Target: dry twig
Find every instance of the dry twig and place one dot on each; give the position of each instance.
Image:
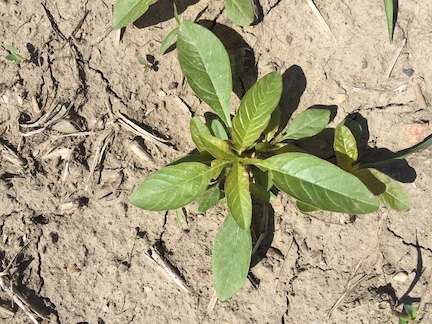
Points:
(154, 255)
(30, 310)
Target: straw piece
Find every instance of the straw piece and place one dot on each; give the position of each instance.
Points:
(320, 18)
(395, 58)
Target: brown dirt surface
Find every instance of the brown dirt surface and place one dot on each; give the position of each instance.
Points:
(82, 264)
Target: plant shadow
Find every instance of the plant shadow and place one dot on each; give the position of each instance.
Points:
(262, 229)
(294, 84)
(399, 170)
(405, 299)
(161, 11)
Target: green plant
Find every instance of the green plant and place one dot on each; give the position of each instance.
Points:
(249, 155)
(14, 55)
(390, 14)
(409, 315)
(240, 12)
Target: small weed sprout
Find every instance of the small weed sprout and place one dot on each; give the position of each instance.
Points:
(15, 56)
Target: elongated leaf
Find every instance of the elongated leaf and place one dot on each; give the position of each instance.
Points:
(127, 11)
(217, 128)
(240, 12)
(172, 187)
(388, 5)
(305, 208)
(261, 193)
(273, 125)
(218, 148)
(355, 128)
(238, 196)
(231, 258)
(209, 198)
(319, 183)
(402, 155)
(388, 191)
(345, 147)
(217, 167)
(168, 40)
(307, 124)
(255, 110)
(198, 129)
(205, 63)
(262, 178)
(203, 157)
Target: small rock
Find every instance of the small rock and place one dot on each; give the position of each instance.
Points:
(400, 277)
(123, 266)
(341, 97)
(121, 208)
(408, 72)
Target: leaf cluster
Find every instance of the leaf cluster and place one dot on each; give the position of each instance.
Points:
(240, 12)
(249, 155)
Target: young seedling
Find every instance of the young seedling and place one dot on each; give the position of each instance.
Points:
(408, 315)
(240, 12)
(15, 56)
(249, 155)
(150, 64)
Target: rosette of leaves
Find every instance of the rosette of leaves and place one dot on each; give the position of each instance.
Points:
(249, 155)
(240, 12)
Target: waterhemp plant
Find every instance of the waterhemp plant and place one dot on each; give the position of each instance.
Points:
(240, 12)
(248, 155)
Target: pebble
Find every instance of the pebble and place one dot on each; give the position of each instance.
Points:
(121, 208)
(123, 266)
(400, 277)
(408, 72)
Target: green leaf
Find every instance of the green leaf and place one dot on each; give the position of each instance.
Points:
(273, 125)
(198, 129)
(255, 110)
(388, 191)
(240, 12)
(307, 124)
(141, 60)
(172, 187)
(402, 155)
(231, 258)
(127, 11)
(262, 178)
(217, 167)
(319, 183)
(217, 128)
(345, 147)
(262, 193)
(206, 65)
(411, 312)
(220, 149)
(305, 208)
(388, 5)
(354, 127)
(168, 40)
(203, 157)
(209, 198)
(238, 197)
